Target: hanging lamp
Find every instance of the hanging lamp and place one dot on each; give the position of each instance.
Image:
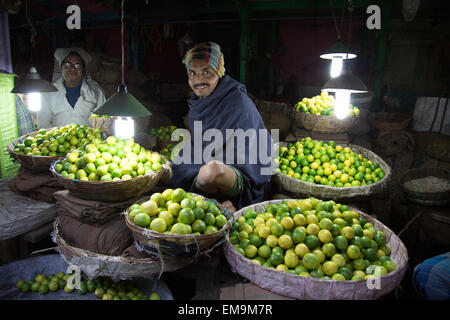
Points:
(32, 85)
(343, 86)
(338, 52)
(123, 105)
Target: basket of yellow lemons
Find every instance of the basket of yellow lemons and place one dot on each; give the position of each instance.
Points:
(37, 150)
(330, 171)
(111, 170)
(176, 223)
(315, 250)
(316, 114)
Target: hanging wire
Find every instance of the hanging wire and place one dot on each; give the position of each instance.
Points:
(33, 31)
(123, 51)
(350, 30)
(334, 19)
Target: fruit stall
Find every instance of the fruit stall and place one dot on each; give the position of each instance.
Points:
(360, 183)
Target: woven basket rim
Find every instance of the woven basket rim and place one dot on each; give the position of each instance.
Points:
(146, 176)
(323, 116)
(386, 167)
(410, 174)
(86, 253)
(172, 236)
(401, 267)
(29, 156)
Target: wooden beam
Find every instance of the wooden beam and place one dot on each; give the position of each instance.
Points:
(386, 13)
(242, 6)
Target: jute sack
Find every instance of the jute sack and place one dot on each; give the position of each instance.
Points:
(128, 265)
(308, 288)
(276, 115)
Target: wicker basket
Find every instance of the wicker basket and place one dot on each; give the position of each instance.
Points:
(111, 191)
(35, 163)
(173, 245)
(107, 124)
(323, 124)
(426, 198)
(308, 288)
(389, 121)
(118, 267)
(303, 188)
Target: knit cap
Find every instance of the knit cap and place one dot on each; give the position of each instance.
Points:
(209, 52)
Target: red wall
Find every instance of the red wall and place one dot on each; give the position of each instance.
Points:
(300, 44)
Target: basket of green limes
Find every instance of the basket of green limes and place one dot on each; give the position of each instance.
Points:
(176, 223)
(110, 170)
(330, 171)
(313, 249)
(37, 150)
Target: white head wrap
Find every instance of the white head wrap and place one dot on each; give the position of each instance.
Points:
(62, 53)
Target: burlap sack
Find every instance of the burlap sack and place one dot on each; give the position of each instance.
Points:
(129, 265)
(276, 115)
(111, 238)
(89, 211)
(391, 143)
(308, 288)
(362, 140)
(36, 185)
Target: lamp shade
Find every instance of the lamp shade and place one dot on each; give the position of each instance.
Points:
(338, 50)
(345, 81)
(122, 104)
(33, 83)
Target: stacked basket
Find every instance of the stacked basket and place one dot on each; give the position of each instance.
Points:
(300, 188)
(111, 191)
(96, 264)
(323, 124)
(32, 162)
(308, 288)
(170, 245)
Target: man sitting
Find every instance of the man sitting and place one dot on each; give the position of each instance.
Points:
(221, 103)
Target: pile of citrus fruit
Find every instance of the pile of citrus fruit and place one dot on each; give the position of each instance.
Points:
(327, 164)
(109, 160)
(179, 212)
(163, 132)
(167, 151)
(103, 288)
(58, 141)
(94, 115)
(322, 104)
(313, 238)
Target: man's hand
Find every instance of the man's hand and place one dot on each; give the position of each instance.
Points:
(226, 205)
(215, 176)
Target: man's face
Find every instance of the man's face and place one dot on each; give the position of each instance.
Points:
(72, 70)
(202, 78)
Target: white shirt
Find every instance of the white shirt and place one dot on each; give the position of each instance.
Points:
(56, 111)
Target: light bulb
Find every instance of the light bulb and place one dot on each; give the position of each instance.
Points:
(124, 127)
(342, 104)
(34, 101)
(336, 66)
